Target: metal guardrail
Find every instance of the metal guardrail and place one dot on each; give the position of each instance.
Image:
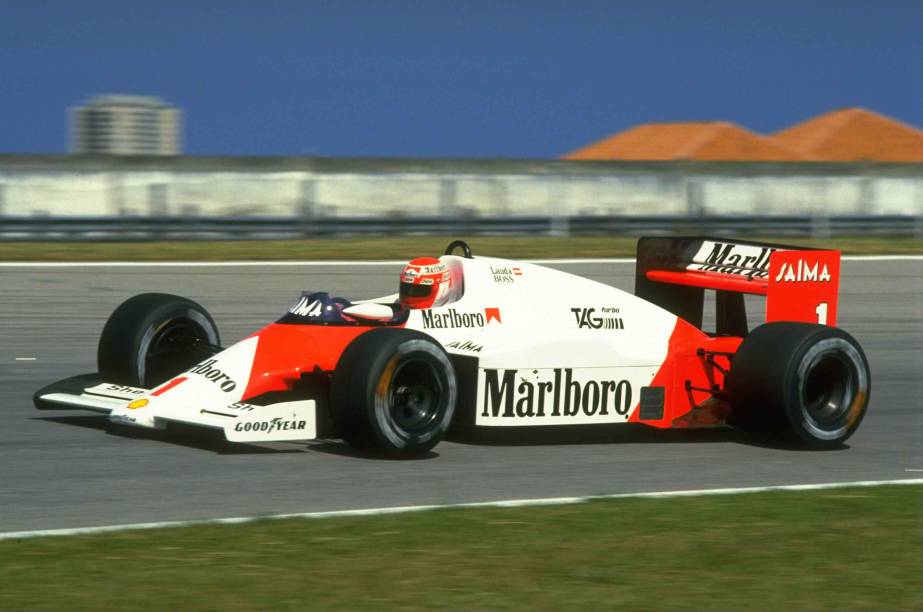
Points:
(14, 228)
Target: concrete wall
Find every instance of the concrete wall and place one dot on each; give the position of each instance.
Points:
(88, 185)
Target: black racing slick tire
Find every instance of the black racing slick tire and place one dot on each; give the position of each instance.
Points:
(812, 380)
(152, 337)
(394, 391)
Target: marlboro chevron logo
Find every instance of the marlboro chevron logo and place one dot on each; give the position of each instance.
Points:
(452, 319)
(731, 258)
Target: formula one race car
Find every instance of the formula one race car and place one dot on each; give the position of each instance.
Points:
(478, 342)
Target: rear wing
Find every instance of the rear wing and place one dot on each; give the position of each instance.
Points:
(800, 284)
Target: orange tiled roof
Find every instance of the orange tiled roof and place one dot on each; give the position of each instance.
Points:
(854, 134)
(703, 141)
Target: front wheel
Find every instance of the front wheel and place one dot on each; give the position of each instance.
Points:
(151, 337)
(811, 379)
(394, 390)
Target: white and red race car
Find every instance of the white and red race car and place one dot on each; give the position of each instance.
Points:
(514, 344)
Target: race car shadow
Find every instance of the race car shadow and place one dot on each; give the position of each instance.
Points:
(343, 449)
(781, 441)
(589, 434)
(623, 434)
(213, 440)
(190, 437)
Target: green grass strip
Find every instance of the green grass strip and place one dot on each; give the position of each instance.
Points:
(856, 548)
(404, 247)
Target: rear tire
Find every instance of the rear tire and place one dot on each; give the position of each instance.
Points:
(394, 390)
(811, 380)
(152, 337)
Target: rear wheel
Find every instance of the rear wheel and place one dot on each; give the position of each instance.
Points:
(394, 390)
(152, 337)
(811, 380)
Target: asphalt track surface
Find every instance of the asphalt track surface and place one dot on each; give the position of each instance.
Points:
(71, 469)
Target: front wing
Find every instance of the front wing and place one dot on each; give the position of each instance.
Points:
(240, 421)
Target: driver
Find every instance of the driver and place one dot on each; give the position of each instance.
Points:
(425, 283)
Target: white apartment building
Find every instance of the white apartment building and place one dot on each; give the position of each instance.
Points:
(125, 125)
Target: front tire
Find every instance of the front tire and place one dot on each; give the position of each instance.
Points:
(394, 390)
(813, 380)
(151, 337)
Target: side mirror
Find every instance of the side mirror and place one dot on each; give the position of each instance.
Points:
(369, 312)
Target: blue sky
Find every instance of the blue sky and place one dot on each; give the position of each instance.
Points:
(438, 78)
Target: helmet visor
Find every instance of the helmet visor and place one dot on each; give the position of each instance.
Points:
(415, 291)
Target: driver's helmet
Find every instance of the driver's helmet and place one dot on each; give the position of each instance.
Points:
(425, 283)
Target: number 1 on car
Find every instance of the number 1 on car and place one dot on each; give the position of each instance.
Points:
(821, 312)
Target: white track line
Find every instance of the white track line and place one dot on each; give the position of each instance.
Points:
(331, 263)
(253, 264)
(513, 503)
(187, 264)
(882, 257)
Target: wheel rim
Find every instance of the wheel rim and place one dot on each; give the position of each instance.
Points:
(416, 396)
(829, 386)
(175, 347)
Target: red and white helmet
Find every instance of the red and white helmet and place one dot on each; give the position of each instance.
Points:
(425, 283)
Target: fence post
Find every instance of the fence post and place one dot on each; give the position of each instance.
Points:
(448, 197)
(307, 205)
(115, 194)
(695, 198)
(499, 197)
(157, 207)
(559, 226)
(157, 199)
(867, 192)
(821, 226)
